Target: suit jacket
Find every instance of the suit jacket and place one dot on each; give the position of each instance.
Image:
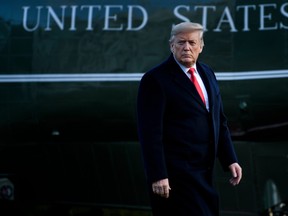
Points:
(174, 124)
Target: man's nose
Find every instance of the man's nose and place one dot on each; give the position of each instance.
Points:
(186, 45)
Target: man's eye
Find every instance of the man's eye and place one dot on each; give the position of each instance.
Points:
(181, 42)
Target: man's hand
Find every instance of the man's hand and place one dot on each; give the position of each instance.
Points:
(161, 188)
(236, 172)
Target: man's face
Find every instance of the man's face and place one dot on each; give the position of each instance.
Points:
(186, 47)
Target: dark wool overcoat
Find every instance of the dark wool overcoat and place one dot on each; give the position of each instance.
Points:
(180, 139)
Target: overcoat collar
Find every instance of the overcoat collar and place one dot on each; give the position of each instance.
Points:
(182, 80)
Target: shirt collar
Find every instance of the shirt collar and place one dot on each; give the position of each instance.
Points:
(185, 69)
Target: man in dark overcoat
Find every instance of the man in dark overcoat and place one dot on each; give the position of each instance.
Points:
(182, 129)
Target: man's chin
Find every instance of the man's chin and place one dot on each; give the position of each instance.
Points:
(188, 62)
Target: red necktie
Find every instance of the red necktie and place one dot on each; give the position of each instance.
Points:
(195, 82)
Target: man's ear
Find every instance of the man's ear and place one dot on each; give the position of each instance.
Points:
(171, 47)
(201, 49)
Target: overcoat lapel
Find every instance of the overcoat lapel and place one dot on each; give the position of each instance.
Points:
(183, 81)
(208, 82)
